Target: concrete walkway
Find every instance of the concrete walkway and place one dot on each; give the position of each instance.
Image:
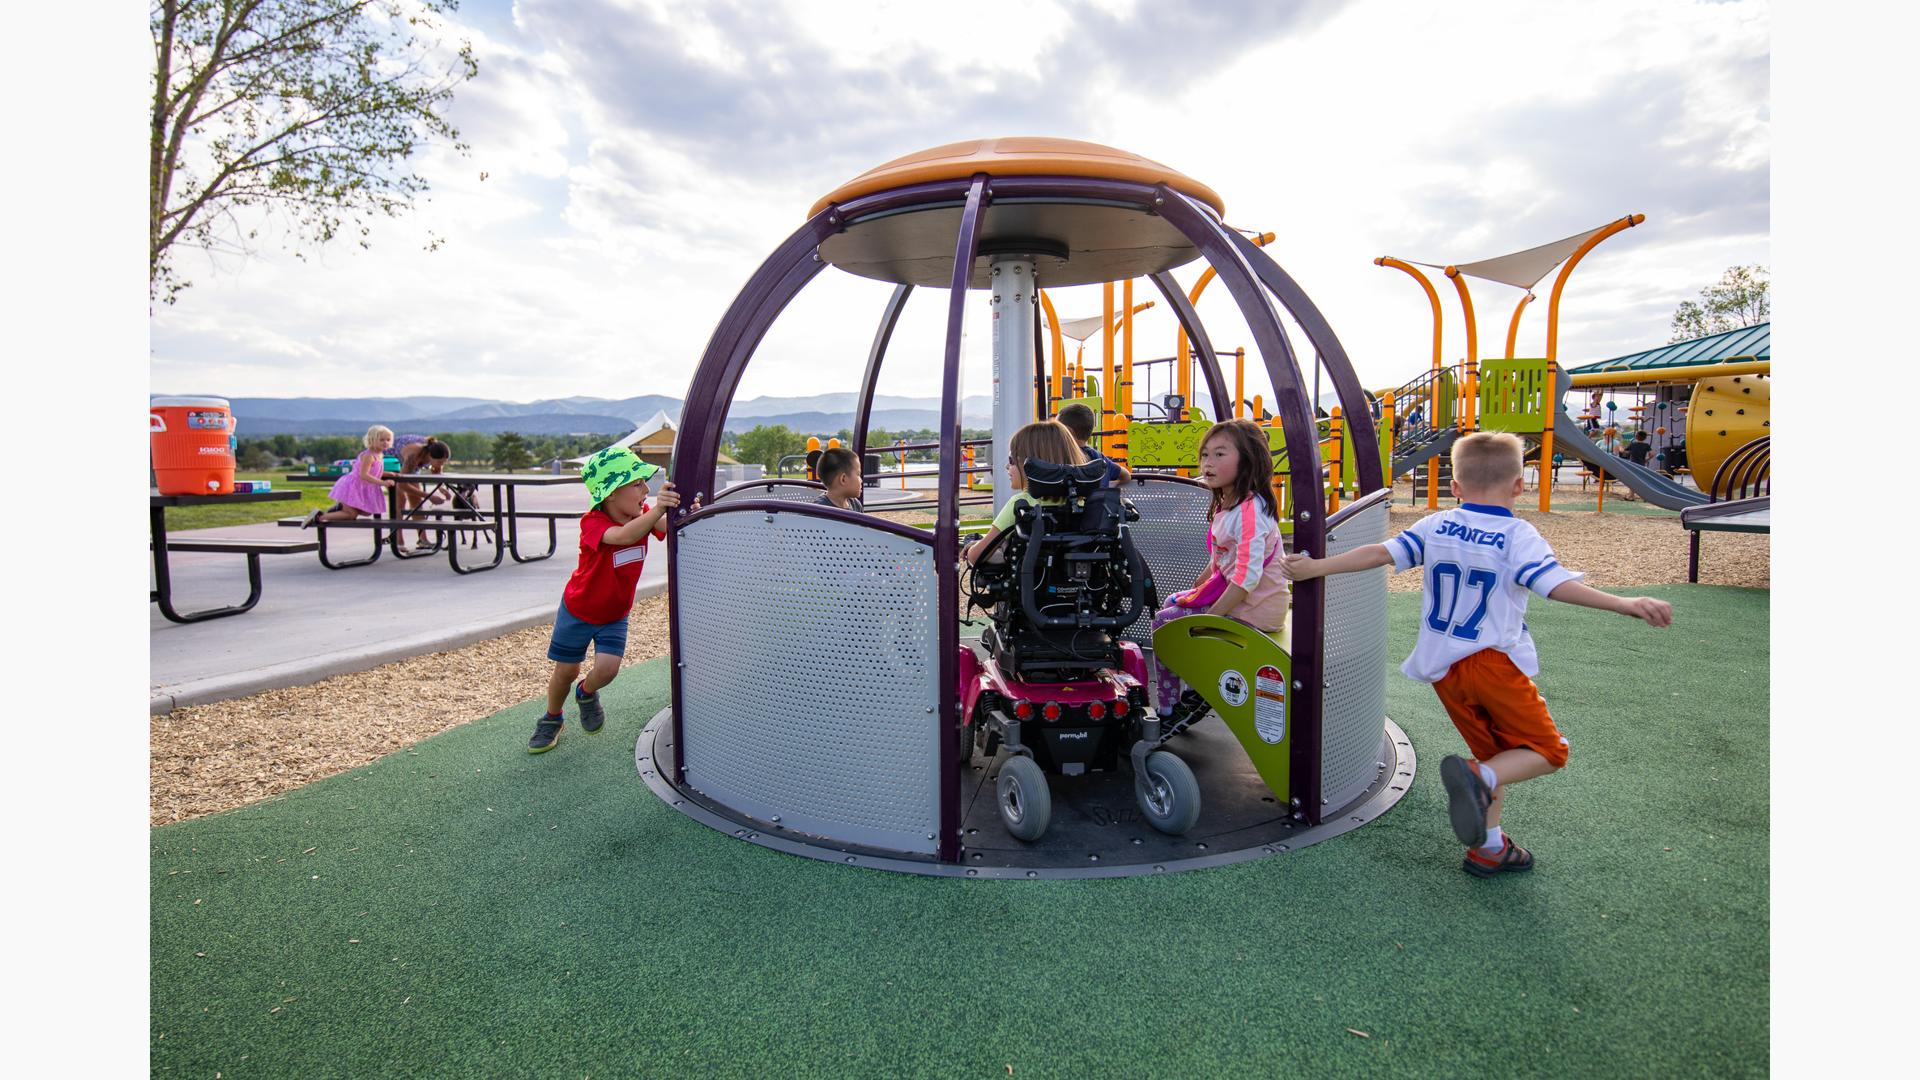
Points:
(312, 622)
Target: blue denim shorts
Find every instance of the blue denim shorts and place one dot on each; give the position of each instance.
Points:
(570, 637)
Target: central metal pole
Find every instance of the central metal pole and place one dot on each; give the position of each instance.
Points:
(1013, 286)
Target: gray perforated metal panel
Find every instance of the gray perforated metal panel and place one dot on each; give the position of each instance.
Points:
(1353, 707)
(771, 489)
(809, 690)
(1171, 536)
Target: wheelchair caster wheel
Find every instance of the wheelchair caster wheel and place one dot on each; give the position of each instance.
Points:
(1026, 806)
(1168, 794)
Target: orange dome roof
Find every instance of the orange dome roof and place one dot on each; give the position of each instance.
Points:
(1019, 156)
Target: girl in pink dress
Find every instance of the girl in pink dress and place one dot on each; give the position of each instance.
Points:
(362, 490)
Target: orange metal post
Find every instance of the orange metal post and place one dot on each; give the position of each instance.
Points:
(1239, 382)
(1123, 390)
(1386, 418)
(1469, 393)
(1553, 349)
(1513, 328)
(1181, 350)
(1106, 355)
(1334, 430)
(1433, 403)
(1059, 369)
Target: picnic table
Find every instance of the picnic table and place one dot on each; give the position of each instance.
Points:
(502, 519)
(162, 593)
(1753, 515)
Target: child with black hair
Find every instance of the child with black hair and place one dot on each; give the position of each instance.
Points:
(1243, 541)
(1079, 420)
(839, 470)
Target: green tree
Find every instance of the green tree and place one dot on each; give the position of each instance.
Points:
(255, 456)
(466, 445)
(295, 111)
(766, 445)
(1739, 298)
(328, 448)
(285, 446)
(510, 452)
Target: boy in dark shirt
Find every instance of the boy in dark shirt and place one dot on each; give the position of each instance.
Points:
(599, 595)
(1080, 420)
(1637, 450)
(839, 470)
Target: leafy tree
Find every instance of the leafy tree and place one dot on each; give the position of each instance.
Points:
(510, 451)
(255, 456)
(1738, 299)
(328, 448)
(466, 445)
(285, 446)
(766, 445)
(304, 110)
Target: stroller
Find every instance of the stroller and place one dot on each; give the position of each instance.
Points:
(1052, 680)
(461, 506)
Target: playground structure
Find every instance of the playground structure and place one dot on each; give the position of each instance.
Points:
(1723, 417)
(817, 687)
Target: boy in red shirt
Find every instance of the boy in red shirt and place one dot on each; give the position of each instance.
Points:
(599, 595)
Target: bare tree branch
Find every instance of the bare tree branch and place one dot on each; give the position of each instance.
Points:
(303, 110)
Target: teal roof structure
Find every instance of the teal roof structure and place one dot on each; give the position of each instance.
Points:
(1746, 343)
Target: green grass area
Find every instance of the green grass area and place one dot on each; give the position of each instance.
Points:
(462, 908)
(313, 496)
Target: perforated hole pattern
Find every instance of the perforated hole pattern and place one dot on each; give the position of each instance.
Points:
(771, 489)
(1171, 536)
(1354, 665)
(810, 675)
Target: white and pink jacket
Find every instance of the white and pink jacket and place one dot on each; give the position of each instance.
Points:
(1244, 543)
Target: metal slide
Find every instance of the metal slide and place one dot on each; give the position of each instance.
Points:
(1650, 484)
(1412, 454)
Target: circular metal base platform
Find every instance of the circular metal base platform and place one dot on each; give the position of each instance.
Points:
(1097, 829)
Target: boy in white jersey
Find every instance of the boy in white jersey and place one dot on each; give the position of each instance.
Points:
(1480, 563)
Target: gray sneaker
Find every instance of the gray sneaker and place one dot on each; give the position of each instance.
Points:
(592, 716)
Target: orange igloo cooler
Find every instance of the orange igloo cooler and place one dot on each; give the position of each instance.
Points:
(192, 445)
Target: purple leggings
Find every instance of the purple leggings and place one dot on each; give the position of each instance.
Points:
(1167, 685)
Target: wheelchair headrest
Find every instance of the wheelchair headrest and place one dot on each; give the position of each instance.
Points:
(1052, 480)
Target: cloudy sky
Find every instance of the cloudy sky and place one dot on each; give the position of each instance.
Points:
(640, 157)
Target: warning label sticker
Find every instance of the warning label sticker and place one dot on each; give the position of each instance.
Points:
(1233, 688)
(1270, 704)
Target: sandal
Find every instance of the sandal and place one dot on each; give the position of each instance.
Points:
(1468, 797)
(1513, 859)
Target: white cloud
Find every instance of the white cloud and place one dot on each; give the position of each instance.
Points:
(643, 158)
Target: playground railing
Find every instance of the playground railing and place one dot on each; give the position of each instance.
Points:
(790, 489)
(1427, 403)
(860, 594)
(1169, 536)
(1354, 656)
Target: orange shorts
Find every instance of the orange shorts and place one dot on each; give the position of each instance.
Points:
(1496, 708)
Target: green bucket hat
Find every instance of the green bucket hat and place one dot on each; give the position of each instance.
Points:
(609, 470)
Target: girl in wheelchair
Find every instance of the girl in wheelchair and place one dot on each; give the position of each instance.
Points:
(1043, 440)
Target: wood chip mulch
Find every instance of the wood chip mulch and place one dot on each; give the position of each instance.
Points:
(207, 758)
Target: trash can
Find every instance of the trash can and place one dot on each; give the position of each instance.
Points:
(192, 445)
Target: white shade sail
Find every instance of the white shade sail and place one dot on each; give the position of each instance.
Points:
(1522, 269)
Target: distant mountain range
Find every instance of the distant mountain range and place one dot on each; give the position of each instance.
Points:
(821, 414)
